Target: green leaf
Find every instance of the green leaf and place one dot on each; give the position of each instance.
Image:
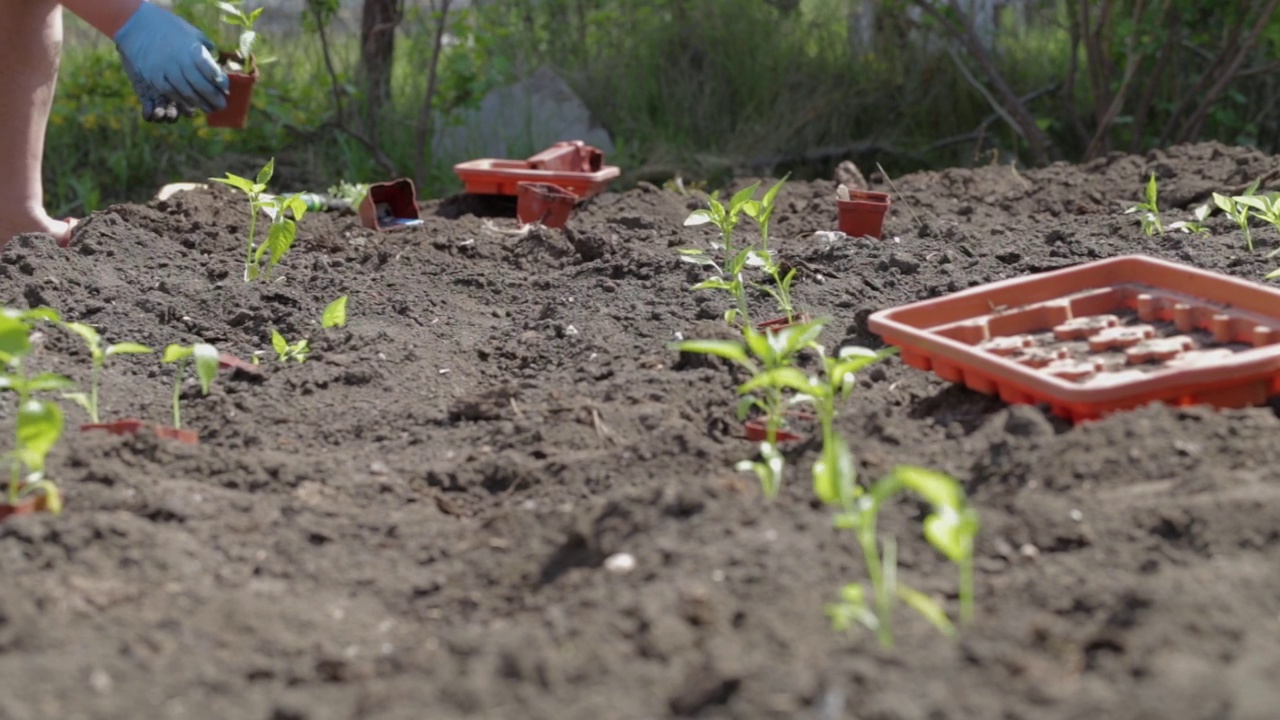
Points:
(81, 399)
(229, 9)
(752, 209)
(727, 349)
(1252, 201)
(782, 377)
(741, 197)
(38, 428)
(772, 194)
(243, 184)
(173, 353)
(88, 334)
(702, 260)
(207, 364)
(279, 239)
(1224, 203)
(926, 606)
(15, 336)
(698, 217)
(128, 348)
(47, 382)
(1201, 213)
(937, 488)
(713, 284)
(297, 206)
(264, 175)
(335, 313)
(1151, 191)
(278, 343)
(46, 314)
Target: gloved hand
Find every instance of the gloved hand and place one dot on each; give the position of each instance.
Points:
(166, 57)
(156, 107)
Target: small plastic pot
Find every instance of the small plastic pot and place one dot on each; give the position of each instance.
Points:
(227, 361)
(550, 205)
(132, 426)
(776, 324)
(757, 430)
(236, 113)
(862, 215)
(28, 506)
(390, 206)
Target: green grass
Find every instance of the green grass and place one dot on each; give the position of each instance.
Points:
(700, 95)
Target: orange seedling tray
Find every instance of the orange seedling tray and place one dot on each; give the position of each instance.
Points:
(571, 165)
(1100, 337)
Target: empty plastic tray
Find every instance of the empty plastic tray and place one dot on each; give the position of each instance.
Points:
(1100, 337)
(571, 165)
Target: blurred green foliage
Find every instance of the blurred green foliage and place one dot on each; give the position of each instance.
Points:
(698, 88)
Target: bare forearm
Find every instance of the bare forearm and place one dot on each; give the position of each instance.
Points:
(106, 16)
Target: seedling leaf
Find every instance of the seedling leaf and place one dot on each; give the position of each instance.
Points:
(206, 357)
(128, 348)
(38, 427)
(335, 313)
(926, 606)
(279, 344)
(726, 349)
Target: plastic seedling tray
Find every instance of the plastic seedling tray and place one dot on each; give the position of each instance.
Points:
(573, 166)
(1100, 337)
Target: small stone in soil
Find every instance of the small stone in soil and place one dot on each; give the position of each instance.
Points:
(620, 563)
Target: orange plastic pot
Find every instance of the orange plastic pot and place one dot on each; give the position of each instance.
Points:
(544, 203)
(571, 165)
(236, 113)
(132, 426)
(29, 506)
(1100, 338)
(862, 215)
(390, 205)
(776, 324)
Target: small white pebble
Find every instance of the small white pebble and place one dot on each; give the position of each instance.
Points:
(387, 648)
(377, 467)
(100, 681)
(717, 576)
(770, 534)
(1077, 516)
(620, 563)
(444, 371)
(1029, 551)
(571, 331)
(529, 505)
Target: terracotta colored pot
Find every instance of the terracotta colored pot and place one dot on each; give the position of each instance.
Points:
(236, 113)
(390, 205)
(862, 215)
(758, 430)
(544, 203)
(28, 506)
(132, 426)
(227, 361)
(777, 324)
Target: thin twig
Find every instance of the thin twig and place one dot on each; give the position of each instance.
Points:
(899, 194)
(340, 123)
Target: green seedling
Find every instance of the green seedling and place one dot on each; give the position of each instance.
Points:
(206, 362)
(98, 355)
(729, 272)
(350, 192)
(234, 14)
(285, 351)
(769, 357)
(761, 211)
(1266, 207)
(950, 528)
(283, 231)
(1237, 210)
(1150, 209)
(39, 422)
(335, 314)
(1196, 224)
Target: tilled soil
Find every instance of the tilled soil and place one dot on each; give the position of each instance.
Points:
(414, 523)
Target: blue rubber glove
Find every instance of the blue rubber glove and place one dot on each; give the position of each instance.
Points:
(169, 54)
(156, 107)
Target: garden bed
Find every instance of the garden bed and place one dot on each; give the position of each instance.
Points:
(415, 522)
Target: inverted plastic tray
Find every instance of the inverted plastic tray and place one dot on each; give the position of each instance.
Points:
(1100, 337)
(503, 177)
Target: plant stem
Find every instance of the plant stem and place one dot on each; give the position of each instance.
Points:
(93, 392)
(253, 231)
(867, 538)
(966, 590)
(15, 467)
(177, 392)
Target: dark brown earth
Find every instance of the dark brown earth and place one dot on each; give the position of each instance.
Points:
(413, 523)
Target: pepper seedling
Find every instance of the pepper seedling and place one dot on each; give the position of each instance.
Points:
(283, 231)
(1150, 209)
(1237, 210)
(285, 351)
(233, 14)
(769, 357)
(206, 362)
(761, 211)
(729, 272)
(950, 528)
(1196, 224)
(39, 422)
(98, 356)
